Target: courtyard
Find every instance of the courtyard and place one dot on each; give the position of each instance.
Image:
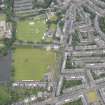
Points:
(77, 102)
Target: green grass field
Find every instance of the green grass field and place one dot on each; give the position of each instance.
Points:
(31, 64)
(2, 17)
(92, 96)
(31, 29)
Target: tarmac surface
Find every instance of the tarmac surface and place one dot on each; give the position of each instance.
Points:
(5, 67)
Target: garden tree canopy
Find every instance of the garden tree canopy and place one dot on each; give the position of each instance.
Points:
(10, 95)
(75, 38)
(102, 23)
(103, 0)
(8, 8)
(5, 97)
(41, 3)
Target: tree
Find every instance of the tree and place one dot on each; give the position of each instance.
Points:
(5, 97)
(8, 9)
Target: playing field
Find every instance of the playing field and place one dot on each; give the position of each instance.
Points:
(31, 64)
(31, 29)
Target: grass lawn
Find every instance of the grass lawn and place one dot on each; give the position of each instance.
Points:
(71, 83)
(31, 64)
(92, 96)
(31, 29)
(102, 23)
(53, 18)
(2, 17)
(53, 27)
(1, 44)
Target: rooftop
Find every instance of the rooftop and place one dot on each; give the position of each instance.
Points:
(5, 30)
